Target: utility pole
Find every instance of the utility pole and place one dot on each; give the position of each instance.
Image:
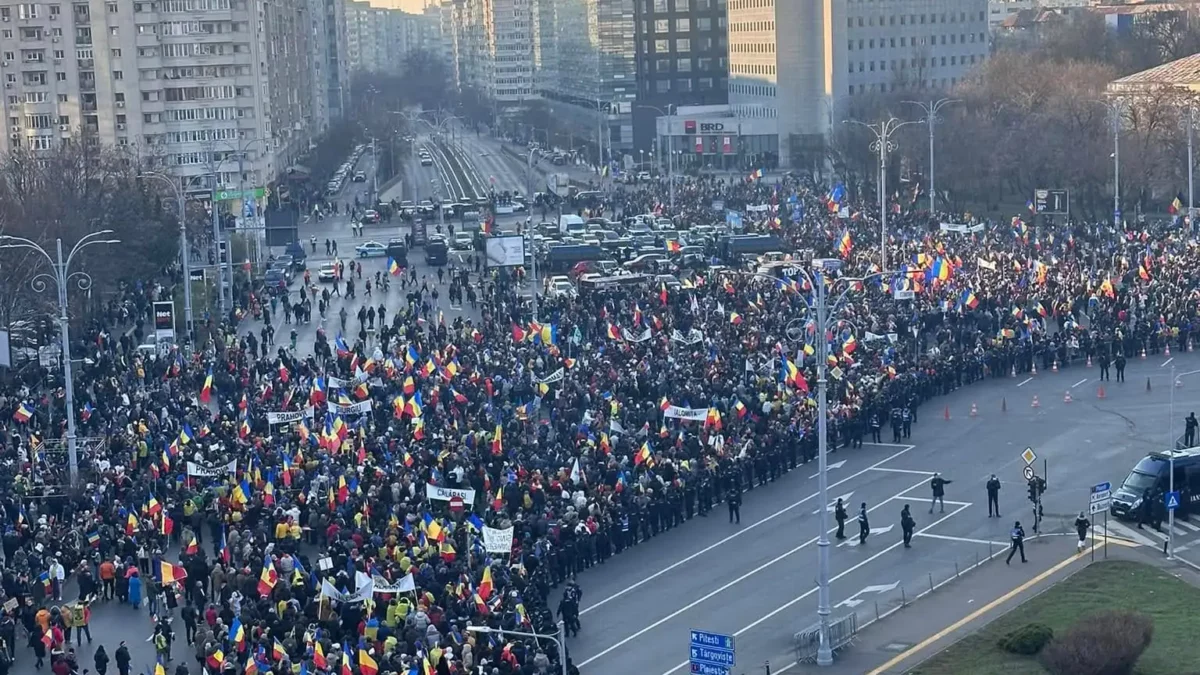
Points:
(931, 110)
(884, 144)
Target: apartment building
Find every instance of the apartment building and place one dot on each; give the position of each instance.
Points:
(333, 82)
(200, 87)
(373, 38)
(585, 59)
(798, 65)
(682, 59)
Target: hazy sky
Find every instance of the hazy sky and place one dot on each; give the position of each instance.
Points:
(407, 5)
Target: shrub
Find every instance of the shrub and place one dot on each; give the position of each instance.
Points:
(1026, 640)
(1108, 643)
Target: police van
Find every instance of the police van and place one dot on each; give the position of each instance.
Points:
(1153, 473)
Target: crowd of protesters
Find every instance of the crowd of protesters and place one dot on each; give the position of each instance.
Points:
(351, 532)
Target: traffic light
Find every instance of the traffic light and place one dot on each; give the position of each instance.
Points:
(1037, 486)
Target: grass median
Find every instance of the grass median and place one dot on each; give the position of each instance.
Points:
(1116, 584)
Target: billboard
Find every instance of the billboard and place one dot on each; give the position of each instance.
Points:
(505, 251)
(164, 325)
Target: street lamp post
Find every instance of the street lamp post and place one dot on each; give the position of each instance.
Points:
(670, 147)
(1190, 105)
(884, 144)
(931, 110)
(819, 278)
(184, 249)
(1116, 107)
(529, 228)
(559, 638)
(60, 275)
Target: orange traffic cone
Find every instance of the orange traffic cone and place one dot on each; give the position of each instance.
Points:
(1054, 368)
(1035, 403)
(1089, 361)
(1004, 404)
(1143, 352)
(1147, 385)
(974, 411)
(1014, 370)
(1100, 392)
(947, 413)
(1167, 350)
(1033, 369)
(1067, 397)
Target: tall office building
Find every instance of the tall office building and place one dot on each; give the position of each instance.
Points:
(492, 46)
(586, 70)
(682, 59)
(337, 83)
(795, 66)
(202, 87)
(374, 38)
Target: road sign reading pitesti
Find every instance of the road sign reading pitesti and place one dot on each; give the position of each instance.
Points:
(1029, 455)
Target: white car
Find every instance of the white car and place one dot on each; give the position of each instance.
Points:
(560, 286)
(371, 249)
(328, 272)
(463, 241)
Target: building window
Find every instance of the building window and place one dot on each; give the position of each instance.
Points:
(662, 25)
(683, 45)
(683, 65)
(683, 25)
(662, 46)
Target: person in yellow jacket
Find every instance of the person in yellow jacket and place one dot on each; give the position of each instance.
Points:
(281, 530)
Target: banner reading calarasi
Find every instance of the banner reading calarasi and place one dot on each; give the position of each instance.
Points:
(445, 494)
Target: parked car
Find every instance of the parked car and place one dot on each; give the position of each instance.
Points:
(370, 217)
(371, 249)
(360, 177)
(328, 272)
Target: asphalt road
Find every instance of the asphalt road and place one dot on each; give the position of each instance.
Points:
(757, 581)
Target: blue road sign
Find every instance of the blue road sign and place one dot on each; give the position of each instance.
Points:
(1102, 487)
(722, 657)
(711, 653)
(1172, 500)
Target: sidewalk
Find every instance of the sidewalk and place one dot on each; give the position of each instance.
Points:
(909, 635)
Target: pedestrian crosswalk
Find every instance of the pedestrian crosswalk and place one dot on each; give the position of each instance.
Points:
(1186, 533)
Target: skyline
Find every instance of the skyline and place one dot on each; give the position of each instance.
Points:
(414, 6)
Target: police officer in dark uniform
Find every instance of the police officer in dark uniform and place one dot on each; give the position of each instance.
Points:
(1104, 362)
(993, 495)
(907, 525)
(876, 426)
(864, 526)
(897, 424)
(1120, 364)
(1146, 509)
(568, 608)
(1018, 542)
(735, 504)
(839, 514)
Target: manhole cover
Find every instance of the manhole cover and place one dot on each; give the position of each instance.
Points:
(897, 646)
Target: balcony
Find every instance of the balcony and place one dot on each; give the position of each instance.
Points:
(87, 107)
(87, 85)
(86, 64)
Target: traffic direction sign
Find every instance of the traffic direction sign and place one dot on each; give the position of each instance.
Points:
(1101, 498)
(711, 653)
(1172, 500)
(1027, 472)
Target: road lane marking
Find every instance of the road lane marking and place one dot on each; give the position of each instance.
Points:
(1164, 363)
(920, 473)
(924, 644)
(1024, 382)
(965, 540)
(747, 575)
(1120, 531)
(1188, 525)
(739, 533)
(1083, 381)
(813, 590)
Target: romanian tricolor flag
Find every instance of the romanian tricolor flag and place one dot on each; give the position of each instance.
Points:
(845, 244)
(1176, 204)
(318, 656)
(24, 412)
(237, 635)
(94, 539)
(642, 456)
(268, 578)
(366, 664)
(735, 318)
(519, 334)
(968, 299)
(168, 573)
(394, 268)
(206, 390)
(673, 246)
(485, 584)
(216, 659)
(613, 333)
(498, 441)
(193, 547)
